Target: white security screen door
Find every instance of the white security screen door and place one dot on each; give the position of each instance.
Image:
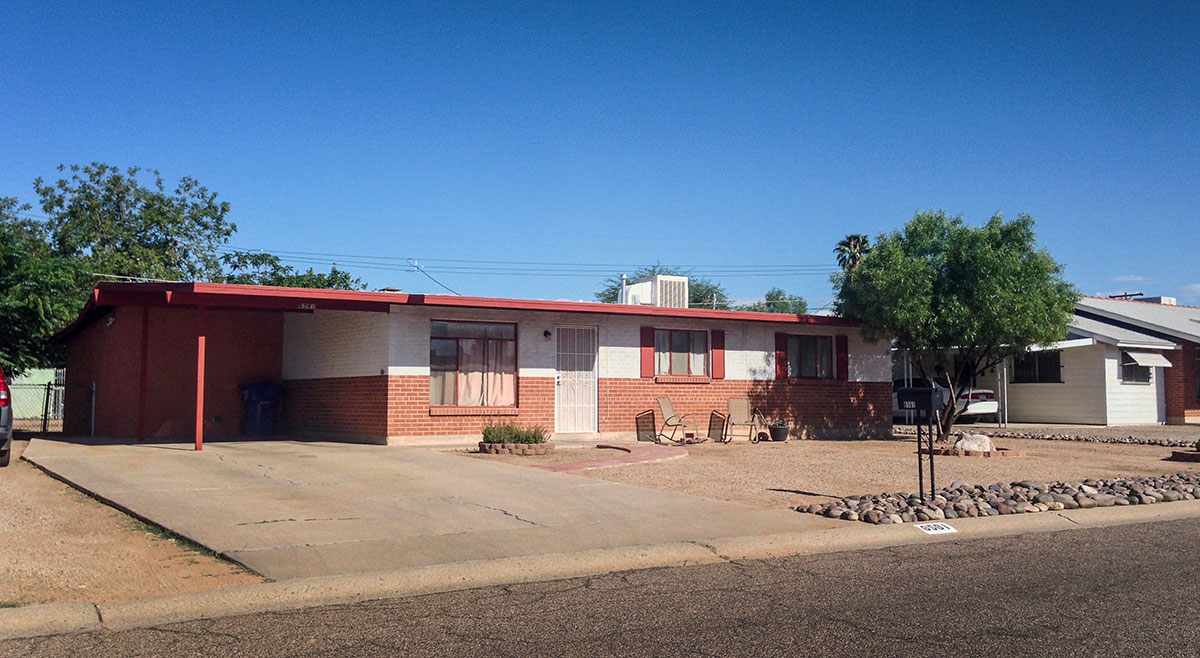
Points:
(575, 380)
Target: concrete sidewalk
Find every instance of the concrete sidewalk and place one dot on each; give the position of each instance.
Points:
(300, 510)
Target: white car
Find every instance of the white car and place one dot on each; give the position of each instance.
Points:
(976, 402)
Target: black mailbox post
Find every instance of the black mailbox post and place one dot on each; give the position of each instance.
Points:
(927, 404)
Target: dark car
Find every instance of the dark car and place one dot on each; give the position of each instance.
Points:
(6, 420)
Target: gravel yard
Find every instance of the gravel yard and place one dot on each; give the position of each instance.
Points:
(58, 545)
(804, 472)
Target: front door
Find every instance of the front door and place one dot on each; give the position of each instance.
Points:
(575, 380)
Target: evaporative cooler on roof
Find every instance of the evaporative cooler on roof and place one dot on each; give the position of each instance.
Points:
(663, 290)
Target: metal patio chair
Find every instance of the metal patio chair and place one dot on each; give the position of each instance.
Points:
(687, 423)
(741, 414)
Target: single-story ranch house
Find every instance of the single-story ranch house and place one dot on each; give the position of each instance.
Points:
(1123, 362)
(169, 360)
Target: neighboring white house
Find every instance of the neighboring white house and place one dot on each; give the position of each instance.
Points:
(1100, 375)
(1114, 368)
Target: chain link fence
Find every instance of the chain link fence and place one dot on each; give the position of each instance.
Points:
(41, 408)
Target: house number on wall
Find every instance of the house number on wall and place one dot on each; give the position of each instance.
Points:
(308, 306)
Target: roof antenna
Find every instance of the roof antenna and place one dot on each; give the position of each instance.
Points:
(1126, 295)
(418, 268)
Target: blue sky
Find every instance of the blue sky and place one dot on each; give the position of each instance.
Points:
(735, 138)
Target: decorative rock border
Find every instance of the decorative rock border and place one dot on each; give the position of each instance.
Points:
(1086, 438)
(515, 448)
(1025, 497)
(994, 454)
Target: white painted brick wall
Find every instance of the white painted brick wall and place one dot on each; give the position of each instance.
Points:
(1131, 402)
(1078, 398)
(335, 344)
(749, 348)
(869, 362)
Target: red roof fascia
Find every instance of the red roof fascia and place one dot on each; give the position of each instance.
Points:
(624, 309)
(225, 295)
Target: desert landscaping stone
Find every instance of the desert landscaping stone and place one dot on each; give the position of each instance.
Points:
(1081, 435)
(962, 499)
(977, 442)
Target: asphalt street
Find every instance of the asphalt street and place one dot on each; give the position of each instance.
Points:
(1131, 589)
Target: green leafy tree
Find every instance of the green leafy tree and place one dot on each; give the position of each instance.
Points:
(39, 291)
(263, 269)
(702, 292)
(778, 301)
(101, 220)
(851, 250)
(959, 298)
(114, 222)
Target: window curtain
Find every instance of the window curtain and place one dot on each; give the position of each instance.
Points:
(500, 380)
(662, 352)
(487, 373)
(699, 352)
(471, 366)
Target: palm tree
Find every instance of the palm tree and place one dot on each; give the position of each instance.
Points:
(851, 250)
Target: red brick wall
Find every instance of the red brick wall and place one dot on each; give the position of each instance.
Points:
(1180, 385)
(339, 407)
(814, 408)
(409, 412)
(242, 347)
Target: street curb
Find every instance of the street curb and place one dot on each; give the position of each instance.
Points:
(52, 619)
(353, 588)
(48, 619)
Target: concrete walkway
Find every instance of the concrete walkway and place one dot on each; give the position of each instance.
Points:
(297, 509)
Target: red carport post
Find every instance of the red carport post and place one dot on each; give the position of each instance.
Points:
(144, 375)
(200, 335)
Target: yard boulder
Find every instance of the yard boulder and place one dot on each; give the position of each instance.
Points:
(976, 442)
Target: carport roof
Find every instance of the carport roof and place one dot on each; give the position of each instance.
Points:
(1106, 332)
(1169, 319)
(306, 300)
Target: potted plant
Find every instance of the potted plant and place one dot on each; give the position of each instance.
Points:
(512, 439)
(779, 430)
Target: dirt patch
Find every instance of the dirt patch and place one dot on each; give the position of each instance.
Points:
(778, 475)
(59, 545)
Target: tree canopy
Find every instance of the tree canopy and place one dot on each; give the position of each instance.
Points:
(777, 301)
(851, 250)
(99, 222)
(113, 222)
(263, 269)
(959, 298)
(39, 291)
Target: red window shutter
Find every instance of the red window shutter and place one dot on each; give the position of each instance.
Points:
(841, 350)
(718, 354)
(780, 356)
(647, 351)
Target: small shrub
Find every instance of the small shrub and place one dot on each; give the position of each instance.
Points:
(779, 423)
(510, 432)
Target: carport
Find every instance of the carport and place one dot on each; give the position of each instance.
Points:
(220, 335)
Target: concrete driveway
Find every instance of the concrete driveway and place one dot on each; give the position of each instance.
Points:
(300, 509)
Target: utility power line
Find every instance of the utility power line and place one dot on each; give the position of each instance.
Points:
(575, 266)
(523, 268)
